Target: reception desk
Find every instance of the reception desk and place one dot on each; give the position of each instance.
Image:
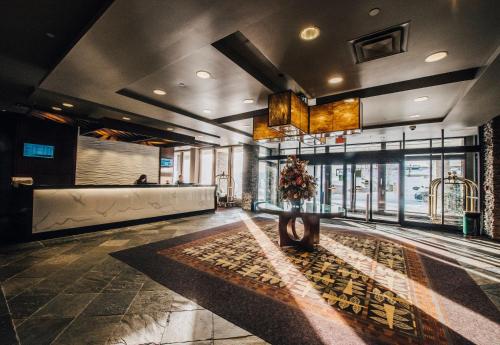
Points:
(55, 209)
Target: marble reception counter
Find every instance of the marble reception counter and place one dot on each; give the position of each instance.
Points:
(83, 207)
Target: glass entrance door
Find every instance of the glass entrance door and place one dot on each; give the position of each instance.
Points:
(385, 192)
(373, 191)
(358, 190)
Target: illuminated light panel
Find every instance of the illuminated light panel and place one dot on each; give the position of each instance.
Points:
(338, 116)
(261, 131)
(288, 114)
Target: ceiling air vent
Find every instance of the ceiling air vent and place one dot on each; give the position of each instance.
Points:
(393, 40)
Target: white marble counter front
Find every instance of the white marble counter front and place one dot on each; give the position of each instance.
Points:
(56, 209)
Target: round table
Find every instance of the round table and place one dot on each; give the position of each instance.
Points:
(309, 211)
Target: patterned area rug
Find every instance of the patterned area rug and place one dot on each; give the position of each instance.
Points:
(355, 288)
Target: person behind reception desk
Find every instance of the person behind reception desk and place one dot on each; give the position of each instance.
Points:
(143, 179)
(180, 180)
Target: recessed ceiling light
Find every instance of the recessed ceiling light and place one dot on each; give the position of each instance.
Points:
(126, 118)
(310, 33)
(349, 100)
(374, 11)
(159, 92)
(248, 101)
(207, 111)
(181, 85)
(4, 109)
(335, 80)
(67, 105)
(50, 35)
(170, 129)
(203, 74)
(414, 116)
(421, 99)
(436, 56)
(56, 108)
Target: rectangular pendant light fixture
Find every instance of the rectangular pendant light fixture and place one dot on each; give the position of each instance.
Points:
(288, 114)
(261, 131)
(290, 118)
(339, 116)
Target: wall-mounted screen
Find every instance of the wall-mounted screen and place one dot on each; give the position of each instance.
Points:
(166, 162)
(38, 151)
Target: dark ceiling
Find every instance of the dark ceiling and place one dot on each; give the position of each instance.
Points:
(137, 46)
(34, 38)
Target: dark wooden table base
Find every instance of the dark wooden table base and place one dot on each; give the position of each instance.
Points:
(311, 231)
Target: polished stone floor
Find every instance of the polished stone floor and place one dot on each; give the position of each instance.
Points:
(71, 291)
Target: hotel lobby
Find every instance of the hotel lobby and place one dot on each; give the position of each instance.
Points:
(249, 172)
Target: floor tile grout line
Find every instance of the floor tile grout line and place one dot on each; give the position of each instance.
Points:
(10, 315)
(74, 318)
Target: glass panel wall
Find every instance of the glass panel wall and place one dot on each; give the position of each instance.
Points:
(206, 166)
(419, 172)
(268, 181)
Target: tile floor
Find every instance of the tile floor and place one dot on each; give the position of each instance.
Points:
(70, 291)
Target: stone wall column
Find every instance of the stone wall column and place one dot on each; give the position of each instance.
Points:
(490, 193)
(250, 171)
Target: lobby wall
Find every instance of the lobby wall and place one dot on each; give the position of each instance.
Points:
(490, 157)
(57, 171)
(114, 162)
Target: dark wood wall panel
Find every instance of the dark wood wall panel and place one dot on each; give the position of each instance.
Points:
(57, 171)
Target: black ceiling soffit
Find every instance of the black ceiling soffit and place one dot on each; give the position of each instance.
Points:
(245, 54)
(156, 103)
(433, 80)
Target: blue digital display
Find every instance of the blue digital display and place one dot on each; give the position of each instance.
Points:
(166, 162)
(38, 151)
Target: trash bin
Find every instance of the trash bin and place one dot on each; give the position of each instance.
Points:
(472, 224)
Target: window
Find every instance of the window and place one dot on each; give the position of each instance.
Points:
(186, 166)
(417, 144)
(289, 151)
(306, 150)
(177, 165)
(206, 166)
(264, 151)
(363, 147)
(419, 172)
(222, 167)
(237, 170)
(394, 145)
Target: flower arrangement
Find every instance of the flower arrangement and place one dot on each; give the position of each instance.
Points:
(295, 182)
